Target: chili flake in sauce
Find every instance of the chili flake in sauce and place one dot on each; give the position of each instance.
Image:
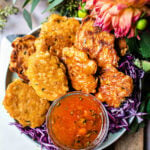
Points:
(78, 125)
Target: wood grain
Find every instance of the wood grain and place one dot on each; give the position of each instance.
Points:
(133, 141)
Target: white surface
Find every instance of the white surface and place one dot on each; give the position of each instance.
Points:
(10, 136)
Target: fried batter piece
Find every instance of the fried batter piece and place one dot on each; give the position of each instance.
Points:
(81, 69)
(107, 57)
(24, 105)
(115, 87)
(23, 48)
(95, 42)
(47, 75)
(57, 33)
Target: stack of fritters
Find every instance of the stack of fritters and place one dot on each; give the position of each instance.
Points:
(43, 63)
(38, 64)
(114, 85)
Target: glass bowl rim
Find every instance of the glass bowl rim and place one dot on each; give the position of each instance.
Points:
(102, 134)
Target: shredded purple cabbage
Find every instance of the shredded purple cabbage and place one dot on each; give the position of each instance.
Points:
(118, 117)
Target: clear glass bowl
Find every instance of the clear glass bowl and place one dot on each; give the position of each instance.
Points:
(102, 133)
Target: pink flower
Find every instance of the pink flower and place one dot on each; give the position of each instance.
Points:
(83, 1)
(118, 15)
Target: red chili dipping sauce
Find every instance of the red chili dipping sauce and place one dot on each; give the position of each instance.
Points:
(75, 121)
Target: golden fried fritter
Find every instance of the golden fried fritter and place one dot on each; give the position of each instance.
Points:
(107, 57)
(58, 32)
(24, 105)
(93, 40)
(47, 75)
(23, 48)
(83, 82)
(81, 69)
(115, 87)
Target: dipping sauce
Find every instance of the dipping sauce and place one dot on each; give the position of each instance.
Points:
(76, 121)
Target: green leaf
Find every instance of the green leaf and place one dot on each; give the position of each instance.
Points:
(50, 1)
(145, 45)
(148, 96)
(145, 84)
(138, 63)
(148, 104)
(142, 125)
(34, 4)
(142, 107)
(25, 3)
(143, 15)
(134, 126)
(147, 117)
(136, 32)
(133, 45)
(143, 64)
(53, 4)
(148, 107)
(27, 17)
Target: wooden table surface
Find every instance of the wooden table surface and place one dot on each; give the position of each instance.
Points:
(126, 142)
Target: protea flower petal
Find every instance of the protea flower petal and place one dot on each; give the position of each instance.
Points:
(105, 7)
(118, 15)
(116, 9)
(136, 15)
(89, 4)
(125, 22)
(132, 32)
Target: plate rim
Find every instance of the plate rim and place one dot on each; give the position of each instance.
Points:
(122, 131)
